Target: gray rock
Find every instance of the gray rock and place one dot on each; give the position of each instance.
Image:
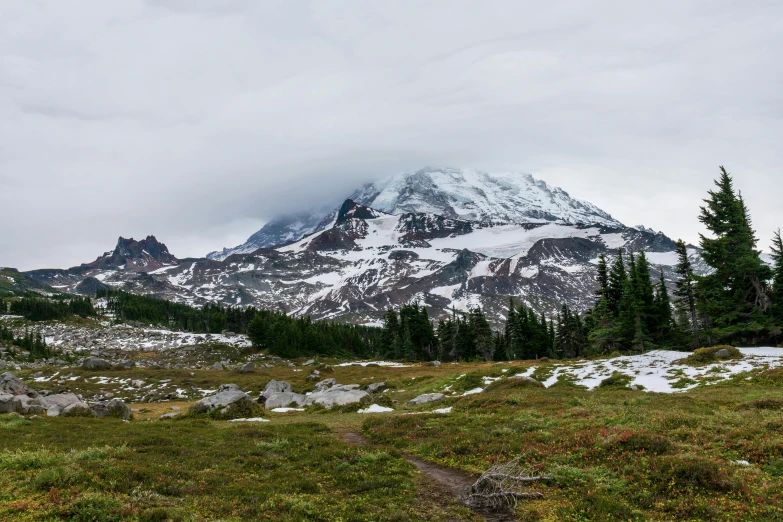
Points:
(167, 416)
(723, 353)
(426, 398)
(375, 387)
(94, 363)
(337, 397)
(10, 383)
(78, 409)
(137, 384)
(311, 378)
(6, 403)
(113, 408)
(221, 402)
(127, 364)
(283, 399)
(274, 386)
(326, 383)
(55, 404)
(435, 363)
(248, 368)
(525, 378)
(309, 362)
(217, 366)
(316, 373)
(227, 387)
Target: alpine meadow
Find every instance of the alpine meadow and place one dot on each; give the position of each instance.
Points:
(383, 261)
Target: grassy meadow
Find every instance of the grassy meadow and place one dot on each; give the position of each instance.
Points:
(711, 453)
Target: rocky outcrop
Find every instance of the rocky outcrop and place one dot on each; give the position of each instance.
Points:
(426, 398)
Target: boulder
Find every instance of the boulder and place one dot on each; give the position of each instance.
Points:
(25, 405)
(6, 403)
(217, 366)
(283, 399)
(167, 416)
(10, 383)
(55, 404)
(338, 396)
(127, 364)
(113, 408)
(375, 387)
(95, 363)
(221, 402)
(525, 378)
(309, 362)
(227, 387)
(325, 384)
(77, 409)
(274, 386)
(435, 363)
(723, 353)
(137, 384)
(426, 398)
(248, 368)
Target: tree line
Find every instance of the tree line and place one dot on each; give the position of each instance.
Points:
(276, 332)
(47, 309)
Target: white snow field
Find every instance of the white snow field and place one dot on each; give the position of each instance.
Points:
(656, 371)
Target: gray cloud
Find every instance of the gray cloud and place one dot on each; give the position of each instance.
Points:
(197, 120)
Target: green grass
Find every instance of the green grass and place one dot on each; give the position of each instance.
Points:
(612, 453)
(102, 469)
(616, 454)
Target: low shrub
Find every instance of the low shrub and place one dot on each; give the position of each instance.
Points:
(642, 441)
(691, 472)
(616, 381)
(513, 383)
(708, 355)
(764, 404)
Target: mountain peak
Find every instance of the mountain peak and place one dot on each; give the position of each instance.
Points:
(454, 193)
(479, 196)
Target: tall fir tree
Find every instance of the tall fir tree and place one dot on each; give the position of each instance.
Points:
(617, 284)
(685, 293)
(735, 294)
(777, 277)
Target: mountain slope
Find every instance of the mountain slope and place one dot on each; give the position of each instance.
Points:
(370, 260)
(450, 192)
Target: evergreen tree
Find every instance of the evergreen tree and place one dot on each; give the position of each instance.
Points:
(603, 277)
(685, 292)
(663, 312)
(734, 296)
(482, 334)
(617, 284)
(777, 277)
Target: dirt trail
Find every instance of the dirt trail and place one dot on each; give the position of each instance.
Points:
(456, 482)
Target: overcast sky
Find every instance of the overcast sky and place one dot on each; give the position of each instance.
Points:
(196, 120)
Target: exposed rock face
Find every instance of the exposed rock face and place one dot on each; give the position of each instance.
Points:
(78, 409)
(248, 368)
(427, 398)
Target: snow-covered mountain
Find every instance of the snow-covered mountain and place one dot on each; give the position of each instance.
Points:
(368, 260)
(449, 192)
